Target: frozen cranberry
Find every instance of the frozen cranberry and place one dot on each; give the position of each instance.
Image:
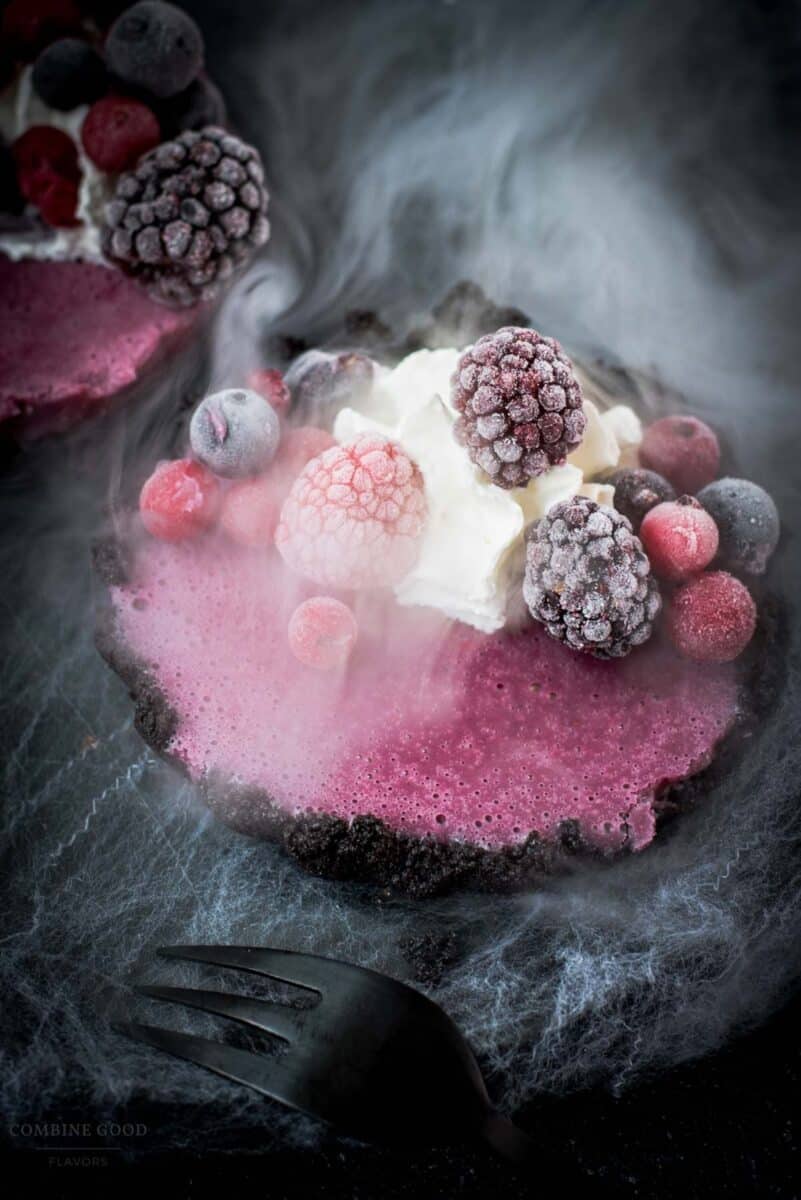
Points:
(680, 538)
(250, 510)
(684, 450)
(271, 384)
(117, 131)
(179, 500)
(322, 633)
(712, 618)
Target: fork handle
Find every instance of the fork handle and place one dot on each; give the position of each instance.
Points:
(505, 1137)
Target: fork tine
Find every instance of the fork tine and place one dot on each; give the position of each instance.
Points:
(289, 966)
(265, 1015)
(272, 1076)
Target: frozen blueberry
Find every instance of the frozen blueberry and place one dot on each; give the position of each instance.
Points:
(155, 46)
(198, 105)
(235, 433)
(747, 521)
(68, 73)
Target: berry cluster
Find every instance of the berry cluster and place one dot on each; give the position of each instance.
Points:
(588, 579)
(190, 215)
(519, 405)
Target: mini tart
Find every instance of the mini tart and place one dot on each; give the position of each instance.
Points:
(72, 336)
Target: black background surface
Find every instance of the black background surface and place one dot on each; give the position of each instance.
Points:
(725, 1125)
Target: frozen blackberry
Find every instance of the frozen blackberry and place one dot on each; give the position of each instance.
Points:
(637, 491)
(747, 521)
(588, 579)
(156, 47)
(519, 405)
(191, 214)
(68, 73)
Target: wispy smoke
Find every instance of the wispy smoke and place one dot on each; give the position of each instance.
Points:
(622, 173)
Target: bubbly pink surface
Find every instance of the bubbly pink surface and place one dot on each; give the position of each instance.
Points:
(431, 726)
(72, 334)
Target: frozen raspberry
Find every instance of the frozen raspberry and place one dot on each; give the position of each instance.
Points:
(117, 130)
(322, 633)
(684, 450)
(519, 405)
(235, 432)
(156, 47)
(638, 491)
(250, 510)
(354, 515)
(588, 580)
(273, 387)
(680, 538)
(48, 172)
(712, 618)
(68, 73)
(318, 380)
(179, 500)
(747, 521)
(27, 26)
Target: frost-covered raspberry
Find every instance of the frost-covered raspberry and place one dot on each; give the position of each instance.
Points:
(683, 449)
(235, 433)
(179, 500)
(519, 404)
(637, 491)
(588, 579)
(680, 538)
(354, 516)
(322, 633)
(190, 215)
(712, 618)
(747, 521)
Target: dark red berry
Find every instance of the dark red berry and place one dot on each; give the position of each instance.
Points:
(712, 618)
(117, 131)
(684, 450)
(48, 173)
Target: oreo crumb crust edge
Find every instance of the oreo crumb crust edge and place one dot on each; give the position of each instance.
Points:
(366, 850)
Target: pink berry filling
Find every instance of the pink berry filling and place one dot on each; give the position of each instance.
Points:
(432, 727)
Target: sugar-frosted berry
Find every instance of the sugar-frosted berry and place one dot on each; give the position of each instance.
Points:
(588, 579)
(354, 516)
(191, 214)
(69, 72)
(318, 380)
(683, 449)
(117, 131)
(712, 618)
(271, 384)
(156, 47)
(48, 173)
(637, 491)
(680, 538)
(179, 500)
(519, 404)
(747, 521)
(250, 510)
(322, 633)
(235, 433)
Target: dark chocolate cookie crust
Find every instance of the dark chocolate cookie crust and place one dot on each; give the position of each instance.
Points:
(367, 850)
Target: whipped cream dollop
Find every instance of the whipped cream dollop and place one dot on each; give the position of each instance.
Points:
(21, 108)
(473, 540)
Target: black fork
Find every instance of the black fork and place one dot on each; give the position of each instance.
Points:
(374, 1056)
